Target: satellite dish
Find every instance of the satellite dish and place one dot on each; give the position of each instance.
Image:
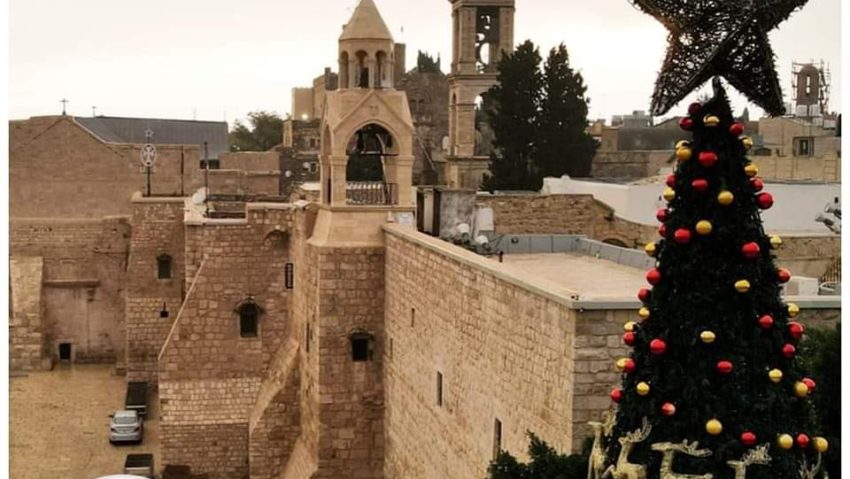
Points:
(199, 197)
(306, 165)
(288, 174)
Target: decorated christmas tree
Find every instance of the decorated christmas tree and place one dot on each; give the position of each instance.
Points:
(712, 388)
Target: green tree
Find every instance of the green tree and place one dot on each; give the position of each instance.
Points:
(512, 109)
(263, 132)
(821, 354)
(563, 144)
(545, 463)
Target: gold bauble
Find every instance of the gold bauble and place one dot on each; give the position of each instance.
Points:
(643, 313)
(785, 441)
(629, 327)
(751, 170)
(725, 198)
(683, 144)
(704, 227)
(801, 390)
(775, 375)
(650, 249)
(707, 337)
(714, 427)
(711, 121)
(621, 364)
(669, 194)
(793, 310)
(642, 388)
(821, 445)
(683, 154)
(775, 242)
(743, 286)
(747, 142)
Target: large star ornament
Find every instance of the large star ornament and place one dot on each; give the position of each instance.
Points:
(725, 38)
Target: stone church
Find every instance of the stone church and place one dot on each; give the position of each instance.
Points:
(332, 339)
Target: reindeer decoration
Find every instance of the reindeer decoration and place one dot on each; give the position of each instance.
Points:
(668, 450)
(624, 469)
(755, 456)
(807, 472)
(596, 462)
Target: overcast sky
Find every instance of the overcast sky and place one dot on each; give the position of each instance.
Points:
(220, 59)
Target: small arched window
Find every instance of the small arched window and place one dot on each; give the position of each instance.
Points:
(362, 344)
(163, 266)
(249, 318)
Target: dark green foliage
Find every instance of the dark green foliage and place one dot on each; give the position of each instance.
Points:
(539, 120)
(512, 109)
(545, 463)
(821, 354)
(563, 144)
(264, 133)
(425, 63)
(697, 293)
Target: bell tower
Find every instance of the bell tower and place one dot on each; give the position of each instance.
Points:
(482, 31)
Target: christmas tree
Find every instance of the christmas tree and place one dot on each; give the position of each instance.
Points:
(712, 388)
(712, 381)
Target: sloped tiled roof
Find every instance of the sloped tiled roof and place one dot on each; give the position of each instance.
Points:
(165, 132)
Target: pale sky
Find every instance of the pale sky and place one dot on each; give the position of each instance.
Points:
(220, 59)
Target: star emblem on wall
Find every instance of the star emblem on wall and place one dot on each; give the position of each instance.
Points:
(726, 38)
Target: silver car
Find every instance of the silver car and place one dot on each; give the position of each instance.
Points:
(126, 426)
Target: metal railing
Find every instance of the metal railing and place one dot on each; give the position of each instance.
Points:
(833, 273)
(371, 193)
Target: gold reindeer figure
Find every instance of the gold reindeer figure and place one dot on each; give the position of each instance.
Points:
(624, 469)
(596, 462)
(807, 472)
(669, 450)
(755, 456)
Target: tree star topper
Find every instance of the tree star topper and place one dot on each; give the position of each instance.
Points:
(725, 38)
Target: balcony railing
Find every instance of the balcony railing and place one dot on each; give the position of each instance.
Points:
(371, 193)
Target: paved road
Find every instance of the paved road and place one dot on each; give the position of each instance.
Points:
(60, 422)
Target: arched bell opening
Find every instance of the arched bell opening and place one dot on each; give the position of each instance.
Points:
(369, 178)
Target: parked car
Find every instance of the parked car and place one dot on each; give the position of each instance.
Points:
(126, 426)
(137, 397)
(139, 465)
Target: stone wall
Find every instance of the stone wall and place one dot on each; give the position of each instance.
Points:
(59, 169)
(209, 375)
(504, 349)
(82, 282)
(157, 230)
(629, 164)
(25, 318)
(244, 183)
(563, 214)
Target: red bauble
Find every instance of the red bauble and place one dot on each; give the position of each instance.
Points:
(789, 351)
(658, 346)
(668, 409)
(699, 185)
(630, 366)
(662, 230)
(783, 275)
(764, 200)
(748, 438)
(686, 124)
(736, 129)
(810, 384)
(653, 276)
(671, 180)
(724, 367)
(629, 338)
(796, 329)
(757, 184)
(803, 441)
(694, 108)
(682, 236)
(751, 250)
(617, 395)
(662, 214)
(643, 294)
(707, 158)
(766, 321)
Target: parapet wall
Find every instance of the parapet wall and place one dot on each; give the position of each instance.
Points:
(504, 350)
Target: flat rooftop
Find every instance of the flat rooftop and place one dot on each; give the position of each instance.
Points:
(576, 273)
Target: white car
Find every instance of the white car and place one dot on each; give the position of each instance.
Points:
(126, 426)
